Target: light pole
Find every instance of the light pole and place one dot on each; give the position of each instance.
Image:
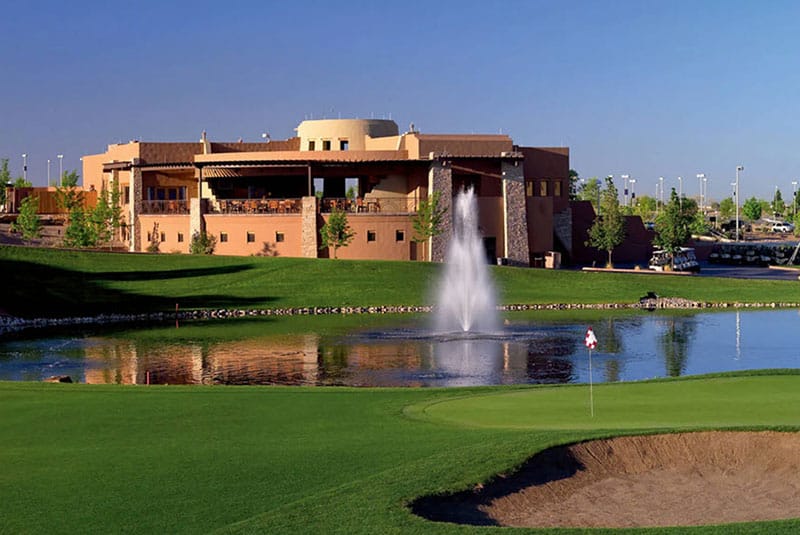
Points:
(739, 168)
(680, 191)
(794, 200)
(633, 194)
(661, 182)
(25, 167)
(625, 187)
(60, 170)
(700, 178)
(48, 172)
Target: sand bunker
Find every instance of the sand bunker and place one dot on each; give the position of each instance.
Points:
(658, 480)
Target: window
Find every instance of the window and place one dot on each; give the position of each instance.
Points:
(399, 235)
(529, 188)
(180, 237)
(344, 144)
(223, 237)
(370, 235)
(163, 237)
(311, 145)
(279, 237)
(543, 188)
(326, 144)
(149, 237)
(557, 188)
(251, 237)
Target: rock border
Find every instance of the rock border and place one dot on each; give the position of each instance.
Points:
(12, 323)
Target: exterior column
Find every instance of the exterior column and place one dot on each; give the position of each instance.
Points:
(440, 178)
(309, 244)
(515, 219)
(135, 229)
(196, 221)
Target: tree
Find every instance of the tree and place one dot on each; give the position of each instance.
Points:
(645, 207)
(202, 243)
(336, 232)
(427, 222)
(608, 229)
(20, 182)
(778, 206)
(673, 225)
(5, 179)
(28, 223)
(726, 208)
(590, 191)
(573, 184)
(752, 209)
(69, 179)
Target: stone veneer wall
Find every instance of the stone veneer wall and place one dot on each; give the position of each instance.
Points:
(310, 246)
(440, 178)
(562, 228)
(515, 217)
(135, 206)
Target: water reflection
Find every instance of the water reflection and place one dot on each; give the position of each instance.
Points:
(528, 351)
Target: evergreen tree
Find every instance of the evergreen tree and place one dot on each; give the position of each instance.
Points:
(778, 205)
(336, 232)
(608, 230)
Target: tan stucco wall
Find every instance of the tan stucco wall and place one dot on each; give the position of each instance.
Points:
(264, 227)
(170, 226)
(385, 246)
(353, 130)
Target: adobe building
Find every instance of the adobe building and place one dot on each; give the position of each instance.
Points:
(272, 198)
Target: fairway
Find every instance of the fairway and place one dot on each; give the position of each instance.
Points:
(99, 459)
(694, 403)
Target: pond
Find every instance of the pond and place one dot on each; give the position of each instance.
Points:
(545, 347)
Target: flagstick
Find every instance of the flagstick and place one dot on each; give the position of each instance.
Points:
(591, 393)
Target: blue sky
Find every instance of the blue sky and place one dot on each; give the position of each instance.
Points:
(645, 88)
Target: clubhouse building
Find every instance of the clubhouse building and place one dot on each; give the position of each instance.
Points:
(272, 198)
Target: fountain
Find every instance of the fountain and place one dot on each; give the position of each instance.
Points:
(466, 295)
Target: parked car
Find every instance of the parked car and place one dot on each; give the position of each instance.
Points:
(782, 227)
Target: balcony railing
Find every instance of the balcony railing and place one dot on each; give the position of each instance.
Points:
(386, 205)
(258, 206)
(165, 207)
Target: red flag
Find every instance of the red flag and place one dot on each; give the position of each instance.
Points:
(591, 339)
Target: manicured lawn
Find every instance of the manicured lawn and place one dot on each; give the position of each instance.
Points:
(50, 282)
(90, 458)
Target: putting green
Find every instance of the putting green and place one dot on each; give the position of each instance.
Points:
(704, 402)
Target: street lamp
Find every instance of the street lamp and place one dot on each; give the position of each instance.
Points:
(633, 194)
(625, 187)
(680, 191)
(700, 178)
(661, 182)
(739, 168)
(794, 200)
(25, 167)
(48, 172)
(60, 170)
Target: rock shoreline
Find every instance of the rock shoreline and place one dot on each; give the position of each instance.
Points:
(11, 323)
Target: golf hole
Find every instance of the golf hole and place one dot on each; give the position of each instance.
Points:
(683, 479)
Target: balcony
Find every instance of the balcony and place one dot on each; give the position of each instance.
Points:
(165, 207)
(258, 206)
(384, 205)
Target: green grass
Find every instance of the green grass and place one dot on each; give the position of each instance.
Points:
(92, 458)
(51, 282)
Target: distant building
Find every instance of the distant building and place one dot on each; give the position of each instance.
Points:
(272, 198)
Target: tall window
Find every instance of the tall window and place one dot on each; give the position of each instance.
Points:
(543, 188)
(557, 188)
(251, 237)
(311, 145)
(326, 144)
(223, 237)
(344, 144)
(529, 188)
(370, 235)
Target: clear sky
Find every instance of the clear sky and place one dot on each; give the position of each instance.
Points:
(646, 88)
